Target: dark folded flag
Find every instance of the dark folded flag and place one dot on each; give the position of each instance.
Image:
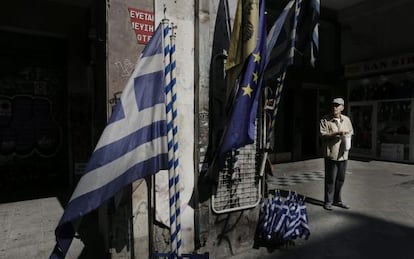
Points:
(217, 95)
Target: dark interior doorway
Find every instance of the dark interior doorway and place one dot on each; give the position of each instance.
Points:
(33, 119)
(316, 99)
(52, 64)
(310, 122)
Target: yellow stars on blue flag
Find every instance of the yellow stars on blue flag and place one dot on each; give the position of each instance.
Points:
(255, 77)
(241, 124)
(247, 90)
(256, 57)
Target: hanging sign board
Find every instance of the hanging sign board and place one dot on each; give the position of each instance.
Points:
(398, 63)
(143, 24)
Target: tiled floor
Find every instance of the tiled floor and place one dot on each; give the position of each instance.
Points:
(295, 178)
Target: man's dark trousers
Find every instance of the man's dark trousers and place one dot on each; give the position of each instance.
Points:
(334, 180)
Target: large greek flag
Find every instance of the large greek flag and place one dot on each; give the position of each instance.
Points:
(132, 146)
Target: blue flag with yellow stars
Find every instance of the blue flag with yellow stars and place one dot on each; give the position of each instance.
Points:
(240, 129)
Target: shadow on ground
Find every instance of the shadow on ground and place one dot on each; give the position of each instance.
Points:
(351, 236)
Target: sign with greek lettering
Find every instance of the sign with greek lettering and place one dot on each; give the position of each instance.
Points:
(143, 23)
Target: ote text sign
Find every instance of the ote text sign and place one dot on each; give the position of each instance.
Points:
(143, 23)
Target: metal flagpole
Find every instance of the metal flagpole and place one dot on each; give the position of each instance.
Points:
(175, 139)
(171, 176)
(275, 108)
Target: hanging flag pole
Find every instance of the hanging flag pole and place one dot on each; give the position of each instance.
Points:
(170, 138)
(278, 93)
(173, 94)
(275, 107)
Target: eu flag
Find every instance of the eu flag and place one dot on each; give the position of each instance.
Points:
(243, 42)
(240, 129)
(132, 146)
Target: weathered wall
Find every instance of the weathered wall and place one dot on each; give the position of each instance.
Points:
(123, 47)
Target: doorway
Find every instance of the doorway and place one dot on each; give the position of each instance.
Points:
(51, 67)
(362, 116)
(317, 100)
(32, 117)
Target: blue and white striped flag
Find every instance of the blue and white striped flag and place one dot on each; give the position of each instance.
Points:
(308, 30)
(279, 43)
(132, 146)
(315, 30)
(295, 30)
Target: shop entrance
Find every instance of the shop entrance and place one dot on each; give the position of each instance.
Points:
(362, 116)
(48, 106)
(33, 121)
(318, 103)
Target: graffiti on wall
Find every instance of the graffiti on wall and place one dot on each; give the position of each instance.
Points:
(124, 67)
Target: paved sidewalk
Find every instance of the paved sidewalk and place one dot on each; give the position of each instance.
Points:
(380, 223)
(27, 229)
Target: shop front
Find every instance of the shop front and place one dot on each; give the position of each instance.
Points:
(381, 95)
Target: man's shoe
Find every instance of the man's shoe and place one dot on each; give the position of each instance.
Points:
(341, 205)
(327, 207)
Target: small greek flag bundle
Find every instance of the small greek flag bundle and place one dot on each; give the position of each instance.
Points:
(283, 219)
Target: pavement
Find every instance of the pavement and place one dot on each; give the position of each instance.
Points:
(380, 223)
(27, 229)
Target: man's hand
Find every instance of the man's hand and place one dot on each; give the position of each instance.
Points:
(342, 133)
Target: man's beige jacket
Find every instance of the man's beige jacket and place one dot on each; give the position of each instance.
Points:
(334, 146)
